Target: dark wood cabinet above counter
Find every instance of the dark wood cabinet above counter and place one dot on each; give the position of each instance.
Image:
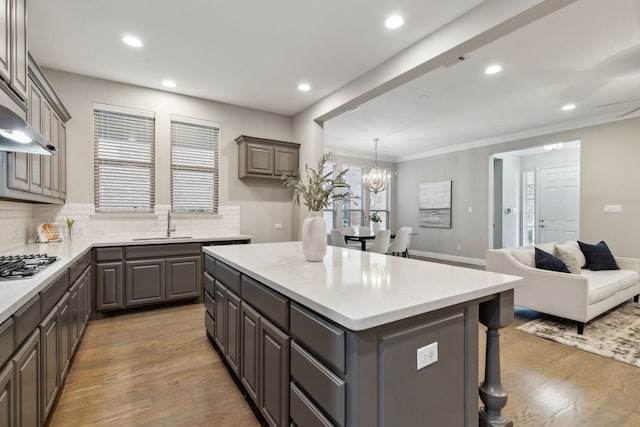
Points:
(266, 158)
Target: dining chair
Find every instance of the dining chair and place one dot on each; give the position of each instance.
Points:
(399, 244)
(364, 231)
(406, 251)
(337, 239)
(381, 242)
(348, 231)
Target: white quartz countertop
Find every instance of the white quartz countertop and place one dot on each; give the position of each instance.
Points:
(360, 290)
(15, 293)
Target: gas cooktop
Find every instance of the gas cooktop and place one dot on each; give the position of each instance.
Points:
(23, 266)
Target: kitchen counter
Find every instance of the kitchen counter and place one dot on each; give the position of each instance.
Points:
(360, 290)
(359, 339)
(15, 293)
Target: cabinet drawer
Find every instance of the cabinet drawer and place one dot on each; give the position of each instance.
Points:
(6, 341)
(26, 319)
(228, 277)
(303, 412)
(50, 296)
(209, 303)
(209, 284)
(267, 302)
(324, 340)
(169, 250)
(210, 265)
(320, 383)
(209, 324)
(109, 254)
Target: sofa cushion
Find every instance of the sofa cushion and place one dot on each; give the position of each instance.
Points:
(524, 256)
(546, 261)
(567, 257)
(598, 256)
(574, 249)
(605, 283)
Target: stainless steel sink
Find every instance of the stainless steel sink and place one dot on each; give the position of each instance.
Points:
(162, 238)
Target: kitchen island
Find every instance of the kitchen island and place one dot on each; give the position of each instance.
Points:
(360, 339)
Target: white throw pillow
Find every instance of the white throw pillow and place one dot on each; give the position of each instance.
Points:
(567, 257)
(573, 248)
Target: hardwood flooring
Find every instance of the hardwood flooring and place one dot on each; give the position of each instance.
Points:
(157, 368)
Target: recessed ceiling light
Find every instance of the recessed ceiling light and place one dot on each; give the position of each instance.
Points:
(394, 21)
(493, 69)
(132, 41)
(568, 107)
(304, 87)
(169, 83)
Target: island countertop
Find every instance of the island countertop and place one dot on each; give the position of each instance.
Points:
(360, 290)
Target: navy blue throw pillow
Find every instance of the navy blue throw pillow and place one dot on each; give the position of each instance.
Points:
(546, 261)
(598, 256)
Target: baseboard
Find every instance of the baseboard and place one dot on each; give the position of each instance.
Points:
(446, 257)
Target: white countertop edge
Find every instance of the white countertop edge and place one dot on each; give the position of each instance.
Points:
(15, 293)
(360, 324)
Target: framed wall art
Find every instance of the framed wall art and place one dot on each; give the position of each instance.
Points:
(435, 204)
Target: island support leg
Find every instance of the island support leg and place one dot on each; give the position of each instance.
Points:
(494, 314)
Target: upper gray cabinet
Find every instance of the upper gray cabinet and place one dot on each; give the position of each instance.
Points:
(13, 48)
(35, 177)
(266, 158)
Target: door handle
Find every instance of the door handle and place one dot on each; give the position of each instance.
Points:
(542, 226)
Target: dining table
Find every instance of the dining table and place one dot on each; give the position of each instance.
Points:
(362, 239)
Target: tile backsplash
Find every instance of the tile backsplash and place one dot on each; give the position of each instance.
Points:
(19, 222)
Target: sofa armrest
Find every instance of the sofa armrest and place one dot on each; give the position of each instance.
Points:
(632, 264)
(551, 292)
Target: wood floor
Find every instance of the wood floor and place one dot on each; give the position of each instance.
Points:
(157, 368)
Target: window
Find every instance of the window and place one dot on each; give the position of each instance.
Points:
(124, 153)
(194, 165)
(328, 213)
(379, 203)
(529, 202)
(353, 211)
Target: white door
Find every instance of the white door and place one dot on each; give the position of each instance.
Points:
(559, 204)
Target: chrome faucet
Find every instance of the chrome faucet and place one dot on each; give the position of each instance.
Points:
(169, 227)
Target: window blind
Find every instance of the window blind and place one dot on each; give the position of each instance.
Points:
(124, 153)
(194, 165)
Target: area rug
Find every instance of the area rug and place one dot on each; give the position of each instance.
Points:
(615, 334)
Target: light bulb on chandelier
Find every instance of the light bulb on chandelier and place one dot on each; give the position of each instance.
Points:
(376, 180)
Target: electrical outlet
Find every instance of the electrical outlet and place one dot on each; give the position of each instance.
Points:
(278, 226)
(459, 247)
(427, 355)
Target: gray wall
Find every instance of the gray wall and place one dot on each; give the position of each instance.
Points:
(263, 203)
(511, 185)
(609, 175)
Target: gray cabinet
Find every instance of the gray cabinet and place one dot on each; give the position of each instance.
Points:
(13, 46)
(27, 382)
(7, 396)
(183, 278)
(153, 274)
(227, 325)
(266, 158)
(49, 353)
(34, 177)
(109, 286)
(65, 344)
(250, 331)
(145, 282)
(273, 361)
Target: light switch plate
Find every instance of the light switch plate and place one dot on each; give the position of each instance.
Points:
(427, 355)
(612, 208)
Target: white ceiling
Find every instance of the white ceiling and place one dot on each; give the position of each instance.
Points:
(250, 53)
(254, 54)
(587, 53)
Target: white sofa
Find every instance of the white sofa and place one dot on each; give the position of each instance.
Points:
(577, 297)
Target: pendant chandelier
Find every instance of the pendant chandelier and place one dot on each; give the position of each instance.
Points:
(376, 180)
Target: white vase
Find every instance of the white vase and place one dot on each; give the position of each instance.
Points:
(314, 237)
(376, 227)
